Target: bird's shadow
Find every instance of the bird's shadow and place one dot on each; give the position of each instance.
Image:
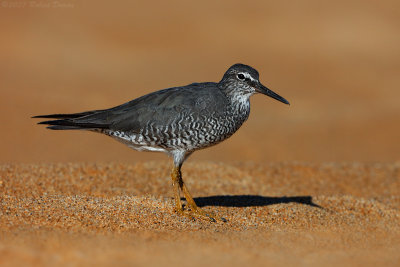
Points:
(252, 201)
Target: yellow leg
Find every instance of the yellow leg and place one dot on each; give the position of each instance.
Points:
(194, 211)
(176, 186)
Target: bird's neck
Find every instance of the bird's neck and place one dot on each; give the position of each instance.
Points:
(239, 100)
(239, 108)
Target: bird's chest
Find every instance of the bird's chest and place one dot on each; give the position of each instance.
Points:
(217, 127)
(236, 115)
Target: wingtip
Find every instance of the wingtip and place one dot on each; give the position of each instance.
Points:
(56, 127)
(44, 122)
(44, 116)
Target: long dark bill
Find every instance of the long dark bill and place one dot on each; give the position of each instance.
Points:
(264, 90)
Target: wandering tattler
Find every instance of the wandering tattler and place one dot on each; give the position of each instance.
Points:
(176, 121)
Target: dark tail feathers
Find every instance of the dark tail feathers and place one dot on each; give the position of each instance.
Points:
(75, 121)
(66, 116)
(69, 124)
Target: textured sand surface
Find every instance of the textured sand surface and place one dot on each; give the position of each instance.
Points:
(280, 213)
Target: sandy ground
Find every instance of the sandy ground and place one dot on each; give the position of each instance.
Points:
(281, 213)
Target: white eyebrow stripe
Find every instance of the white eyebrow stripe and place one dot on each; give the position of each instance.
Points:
(247, 75)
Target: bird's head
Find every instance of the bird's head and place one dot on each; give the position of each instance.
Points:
(243, 80)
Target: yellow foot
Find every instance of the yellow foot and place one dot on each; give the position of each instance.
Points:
(198, 213)
(202, 214)
(192, 211)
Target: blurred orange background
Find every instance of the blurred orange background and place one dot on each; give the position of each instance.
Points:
(337, 62)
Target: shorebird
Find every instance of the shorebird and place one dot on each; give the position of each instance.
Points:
(176, 121)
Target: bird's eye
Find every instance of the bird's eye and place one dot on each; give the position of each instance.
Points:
(240, 76)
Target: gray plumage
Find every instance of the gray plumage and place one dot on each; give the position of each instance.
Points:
(183, 118)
